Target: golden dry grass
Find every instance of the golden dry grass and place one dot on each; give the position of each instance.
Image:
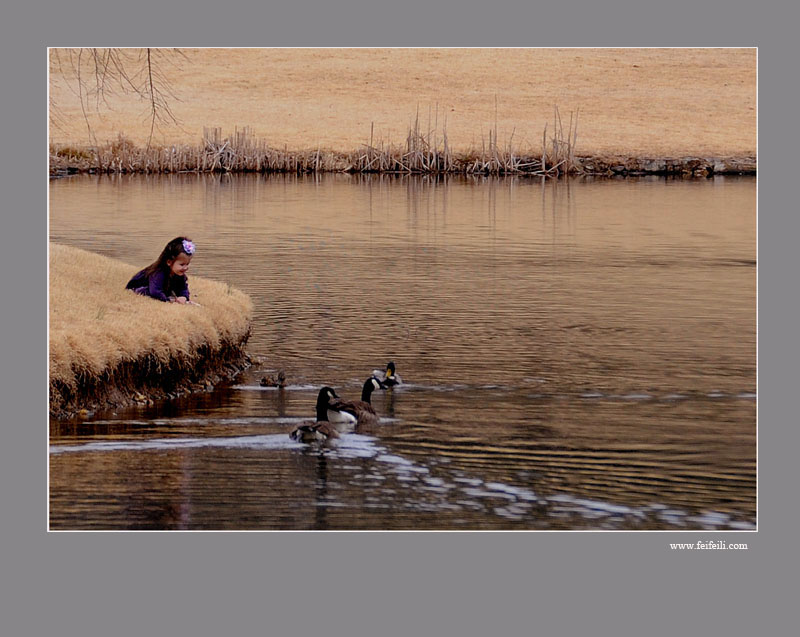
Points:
(636, 102)
(96, 324)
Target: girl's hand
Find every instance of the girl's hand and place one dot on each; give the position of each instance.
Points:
(181, 299)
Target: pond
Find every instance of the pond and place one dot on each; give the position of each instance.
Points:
(576, 354)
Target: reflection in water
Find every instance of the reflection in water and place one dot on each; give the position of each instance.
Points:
(320, 493)
(581, 354)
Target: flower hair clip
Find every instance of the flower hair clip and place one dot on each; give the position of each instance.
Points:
(188, 247)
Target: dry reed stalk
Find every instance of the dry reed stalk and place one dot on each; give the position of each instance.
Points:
(544, 148)
(425, 151)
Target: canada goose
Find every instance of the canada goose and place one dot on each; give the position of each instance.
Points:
(322, 429)
(314, 432)
(269, 381)
(388, 377)
(362, 410)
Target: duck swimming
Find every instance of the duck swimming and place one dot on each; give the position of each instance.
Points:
(322, 429)
(388, 377)
(269, 381)
(362, 410)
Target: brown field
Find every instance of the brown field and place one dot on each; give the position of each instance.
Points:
(636, 102)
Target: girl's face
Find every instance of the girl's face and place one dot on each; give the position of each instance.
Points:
(179, 264)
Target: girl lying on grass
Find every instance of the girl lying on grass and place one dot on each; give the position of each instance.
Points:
(165, 278)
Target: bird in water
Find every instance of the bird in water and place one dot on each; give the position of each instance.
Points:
(389, 377)
(269, 381)
(362, 410)
(322, 429)
(314, 432)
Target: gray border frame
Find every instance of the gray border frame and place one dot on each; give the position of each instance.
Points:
(385, 583)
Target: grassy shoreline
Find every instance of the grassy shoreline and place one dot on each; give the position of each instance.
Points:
(109, 347)
(422, 153)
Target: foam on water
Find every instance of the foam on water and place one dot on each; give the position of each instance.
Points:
(590, 394)
(710, 519)
(355, 446)
(742, 526)
(637, 396)
(470, 481)
(423, 387)
(518, 492)
(169, 422)
(287, 387)
(394, 459)
(423, 491)
(272, 441)
(279, 420)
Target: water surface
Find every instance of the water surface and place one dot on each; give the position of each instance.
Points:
(577, 355)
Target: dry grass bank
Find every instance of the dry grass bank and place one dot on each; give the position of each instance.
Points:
(632, 102)
(109, 346)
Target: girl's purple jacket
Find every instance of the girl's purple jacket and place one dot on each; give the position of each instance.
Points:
(160, 285)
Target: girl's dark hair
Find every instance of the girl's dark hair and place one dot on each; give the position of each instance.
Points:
(169, 253)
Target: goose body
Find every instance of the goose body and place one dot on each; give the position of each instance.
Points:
(314, 432)
(342, 418)
(362, 410)
(322, 429)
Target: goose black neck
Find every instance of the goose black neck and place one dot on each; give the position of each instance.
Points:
(367, 390)
(322, 407)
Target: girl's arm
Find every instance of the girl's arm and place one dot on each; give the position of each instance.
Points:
(185, 291)
(156, 285)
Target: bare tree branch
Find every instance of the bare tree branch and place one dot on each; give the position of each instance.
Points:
(92, 138)
(116, 71)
